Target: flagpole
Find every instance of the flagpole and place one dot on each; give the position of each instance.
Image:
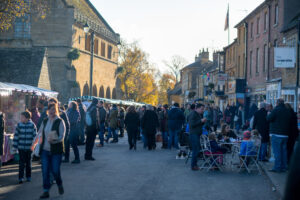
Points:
(228, 26)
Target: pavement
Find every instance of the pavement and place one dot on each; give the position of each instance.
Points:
(120, 174)
(278, 180)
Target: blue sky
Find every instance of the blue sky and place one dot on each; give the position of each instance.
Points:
(174, 27)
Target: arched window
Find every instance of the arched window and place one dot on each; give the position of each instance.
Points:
(108, 93)
(114, 94)
(94, 90)
(86, 90)
(101, 92)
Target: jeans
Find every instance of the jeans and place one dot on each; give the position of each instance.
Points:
(173, 139)
(164, 138)
(25, 161)
(67, 147)
(81, 133)
(112, 133)
(73, 139)
(90, 141)
(263, 151)
(279, 146)
(195, 141)
(50, 163)
(101, 133)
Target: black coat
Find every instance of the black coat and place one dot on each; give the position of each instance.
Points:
(132, 121)
(261, 124)
(280, 119)
(195, 123)
(176, 119)
(150, 122)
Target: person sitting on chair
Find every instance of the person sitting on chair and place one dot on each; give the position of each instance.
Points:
(247, 146)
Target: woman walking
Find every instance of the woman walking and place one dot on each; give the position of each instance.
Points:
(132, 124)
(52, 131)
(74, 119)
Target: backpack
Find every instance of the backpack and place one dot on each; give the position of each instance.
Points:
(88, 118)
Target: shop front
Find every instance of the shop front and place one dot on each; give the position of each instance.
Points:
(273, 92)
(289, 96)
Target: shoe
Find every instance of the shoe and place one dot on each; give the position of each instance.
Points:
(130, 148)
(114, 141)
(20, 181)
(91, 158)
(28, 179)
(45, 195)
(196, 168)
(66, 161)
(99, 145)
(75, 162)
(61, 190)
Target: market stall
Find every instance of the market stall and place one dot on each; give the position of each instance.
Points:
(14, 99)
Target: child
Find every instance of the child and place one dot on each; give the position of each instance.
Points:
(256, 138)
(215, 148)
(23, 139)
(247, 146)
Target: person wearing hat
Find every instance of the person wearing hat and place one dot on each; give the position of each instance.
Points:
(91, 129)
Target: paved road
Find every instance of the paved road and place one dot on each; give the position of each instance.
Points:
(120, 174)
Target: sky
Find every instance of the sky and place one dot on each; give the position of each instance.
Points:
(165, 28)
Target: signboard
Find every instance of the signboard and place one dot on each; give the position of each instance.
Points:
(284, 57)
(221, 79)
(231, 86)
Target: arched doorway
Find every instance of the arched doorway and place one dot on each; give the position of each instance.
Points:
(101, 92)
(114, 94)
(86, 90)
(94, 90)
(108, 93)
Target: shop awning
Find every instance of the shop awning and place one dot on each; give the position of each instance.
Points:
(7, 88)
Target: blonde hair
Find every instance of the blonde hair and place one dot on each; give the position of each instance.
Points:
(55, 105)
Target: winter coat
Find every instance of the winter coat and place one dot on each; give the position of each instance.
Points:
(24, 135)
(92, 111)
(240, 117)
(63, 115)
(102, 114)
(43, 116)
(195, 123)
(149, 122)
(163, 121)
(2, 129)
(113, 118)
(280, 119)
(74, 119)
(261, 124)
(176, 119)
(132, 121)
(35, 116)
(121, 118)
(227, 116)
(82, 114)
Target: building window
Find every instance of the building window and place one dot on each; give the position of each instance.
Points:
(102, 49)
(257, 26)
(250, 66)
(266, 21)
(265, 57)
(22, 27)
(96, 46)
(109, 51)
(251, 30)
(275, 43)
(88, 43)
(290, 99)
(257, 61)
(276, 13)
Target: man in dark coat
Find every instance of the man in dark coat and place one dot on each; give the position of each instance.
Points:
(176, 120)
(280, 119)
(149, 125)
(261, 124)
(82, 121)
(196, 122)
(101, 123)
(91, 129)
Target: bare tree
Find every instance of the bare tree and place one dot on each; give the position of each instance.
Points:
(175, 65)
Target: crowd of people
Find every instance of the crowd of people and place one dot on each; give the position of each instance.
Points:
(52, 128)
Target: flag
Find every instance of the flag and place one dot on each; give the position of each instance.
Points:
(227, 20)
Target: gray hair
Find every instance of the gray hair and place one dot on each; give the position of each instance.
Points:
(262, 105)
(280, 101)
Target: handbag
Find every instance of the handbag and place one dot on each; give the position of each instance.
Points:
(35, 148)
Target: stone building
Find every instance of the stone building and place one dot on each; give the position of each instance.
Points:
(59, 33)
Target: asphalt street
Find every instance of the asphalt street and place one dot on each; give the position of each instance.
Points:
(120, 174)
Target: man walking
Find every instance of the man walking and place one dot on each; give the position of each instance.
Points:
(196, 122)
(113, 124)
(279, 120)
(82, 121)
(176, 120)
(101, 123)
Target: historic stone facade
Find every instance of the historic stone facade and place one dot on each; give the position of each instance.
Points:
(59, 33)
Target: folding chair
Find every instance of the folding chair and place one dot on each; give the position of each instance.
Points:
(250, 160)
(211, 159)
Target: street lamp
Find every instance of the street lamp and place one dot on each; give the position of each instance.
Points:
(86, 29)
